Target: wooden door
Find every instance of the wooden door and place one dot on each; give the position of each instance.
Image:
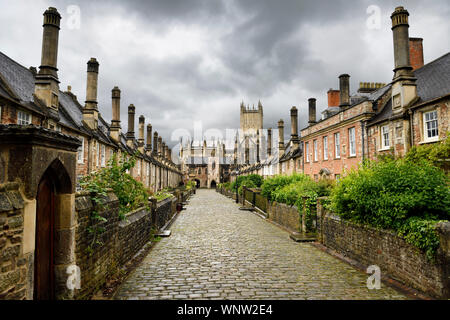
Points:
(43, 262)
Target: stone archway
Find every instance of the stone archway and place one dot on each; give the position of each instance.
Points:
(54, 233)
(197, 181)
(213, 184)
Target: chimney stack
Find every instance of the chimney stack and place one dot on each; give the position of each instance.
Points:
(148, 147)
(160, 144)
(130, 133)
(294, 127)
(115, 128)
(155, 143)
(280, 138)
(90, 111)
(416, 53)
(344, 88)
(247, 151)
(333, 98)
(258, 157)
(312, 111)
(141, 140)
(269, 142)
(47, 83)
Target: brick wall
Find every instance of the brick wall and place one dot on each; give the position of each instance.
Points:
(396, 258)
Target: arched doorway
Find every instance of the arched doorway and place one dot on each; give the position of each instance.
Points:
(213, 184)
(44, 275)
(55, 183)
(197, 183)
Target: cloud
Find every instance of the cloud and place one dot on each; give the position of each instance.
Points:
(184, 61)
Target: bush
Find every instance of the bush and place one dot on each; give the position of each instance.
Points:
(436, 154)
(250, 181)
(271, 185)
(389, 194)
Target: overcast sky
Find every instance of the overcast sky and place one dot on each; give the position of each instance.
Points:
(180, 61)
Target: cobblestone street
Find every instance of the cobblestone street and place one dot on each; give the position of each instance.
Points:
(219, 252)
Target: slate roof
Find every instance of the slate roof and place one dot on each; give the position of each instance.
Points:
(433, 79)
(19, 79)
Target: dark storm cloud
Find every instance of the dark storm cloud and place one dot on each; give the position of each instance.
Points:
(282, 52)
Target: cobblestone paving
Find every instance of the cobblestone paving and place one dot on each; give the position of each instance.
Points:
(219, 252)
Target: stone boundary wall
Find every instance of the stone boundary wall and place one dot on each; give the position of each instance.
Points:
(396, 258)
(284, 215)
(15, 266)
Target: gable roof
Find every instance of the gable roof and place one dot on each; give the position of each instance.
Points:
(433, 79)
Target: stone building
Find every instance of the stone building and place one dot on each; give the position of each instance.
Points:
(207, 163)
(31, 97)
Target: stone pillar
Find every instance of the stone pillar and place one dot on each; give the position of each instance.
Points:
(344, 88)
(141, 133)
(115, 129)
(294, 128)
(160, 143)
(130, 133)
(155, 143)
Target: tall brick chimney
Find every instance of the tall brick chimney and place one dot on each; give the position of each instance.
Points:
(312, 111)
(416, 53)
(333, 98)
(280, 138)
(148, 147)
(269, 142)
(90, 111)
(141, 131)
(344, 88)
(115, 129)
(294, 127)
(130, 133)
(47, 83)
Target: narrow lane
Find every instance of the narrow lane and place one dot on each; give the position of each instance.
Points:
(217, 251)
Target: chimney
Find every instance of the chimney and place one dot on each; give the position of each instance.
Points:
(160, 144)
(404, 88)
(400, 31)
(247, 151)
(344, 88)
(280, 138)
(115, 128)
(333, 98)
(416, 53)
(294, 127)
(130, 133)
(90, 111)
(258, 158)
(46, 81)
(155, 143)
(312, 111)
(163, 150)
(269, 142)
(148, 147)
(141, 140)
(169, 154)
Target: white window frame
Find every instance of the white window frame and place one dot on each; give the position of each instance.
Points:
(98, 154)
(103, 156)
(23, 118)
(385, 139)
(337, 145)
(307, 151)
(352, 142)
(435, 128)
(316, 157)
(80, 154)
(325, 148)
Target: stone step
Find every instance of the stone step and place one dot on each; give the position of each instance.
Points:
(303, 237)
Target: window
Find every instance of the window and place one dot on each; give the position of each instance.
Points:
(337, 145)
(307, 151)
(325, 148)
(315, 150)
(430, 124)
(385, 137)
(23, 117)
(103, 155)
(352, 142)
(337, 177)
(81, 151)
(98, 154)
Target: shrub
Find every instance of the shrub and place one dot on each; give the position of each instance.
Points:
(437, 154)
(250, 181)
(390, 193)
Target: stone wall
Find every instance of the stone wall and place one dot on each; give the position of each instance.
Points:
(396, 258)
(14, 265)
(284, 215)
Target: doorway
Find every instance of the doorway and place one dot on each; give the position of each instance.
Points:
(44, 275)
(213, 184)
(197, 183)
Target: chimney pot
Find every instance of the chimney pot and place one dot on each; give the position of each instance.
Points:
(344, 88)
